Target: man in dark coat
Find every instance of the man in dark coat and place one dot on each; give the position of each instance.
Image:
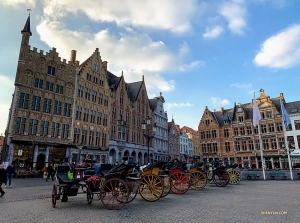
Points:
(2, 178)
(10, 170)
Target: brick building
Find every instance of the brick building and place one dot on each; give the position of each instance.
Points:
(173, 135)
(40, 117)
(229, 134)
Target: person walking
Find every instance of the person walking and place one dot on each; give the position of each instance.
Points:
(10, 170)
(51, 172)
(2, 178)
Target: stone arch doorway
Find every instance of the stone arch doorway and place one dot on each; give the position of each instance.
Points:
(40, 161)
(112, 156)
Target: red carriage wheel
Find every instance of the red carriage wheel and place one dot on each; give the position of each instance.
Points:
(180, 182)
(116, 193)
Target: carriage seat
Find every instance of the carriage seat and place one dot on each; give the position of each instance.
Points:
(63, 178)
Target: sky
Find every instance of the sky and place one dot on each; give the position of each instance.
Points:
(197, 53)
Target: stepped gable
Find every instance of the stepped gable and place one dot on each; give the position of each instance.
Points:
(82, 66)
(133, 89)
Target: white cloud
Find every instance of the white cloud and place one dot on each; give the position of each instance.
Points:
(237, 85)
(212, 33)
(178, 105)
(281, 50)
(235, 13)
(16, 3)
(135, 13)
(134, 52)
(218, 101)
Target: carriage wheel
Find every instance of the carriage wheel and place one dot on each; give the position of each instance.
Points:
(151, 187)
(89, 196)
(167, 187)
(116, 193)
(235, 177)
(54, 195)
(198, 180)
(180, 182)
(221, 178)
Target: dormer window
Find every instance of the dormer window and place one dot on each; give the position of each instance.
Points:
(241, 119)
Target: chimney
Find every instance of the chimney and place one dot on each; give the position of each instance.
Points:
(222, 110)
(73, 56)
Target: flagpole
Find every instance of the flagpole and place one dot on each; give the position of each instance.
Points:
(285, 140)
(263, 164)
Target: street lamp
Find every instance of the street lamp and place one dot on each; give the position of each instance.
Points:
(146, 127)
(79, 156)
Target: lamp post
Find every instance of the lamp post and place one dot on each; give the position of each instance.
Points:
(79, 156)
(146, 127)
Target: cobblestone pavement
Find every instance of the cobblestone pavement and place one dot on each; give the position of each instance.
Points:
(250, 201)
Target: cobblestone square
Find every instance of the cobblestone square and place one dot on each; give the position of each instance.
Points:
(250, 201)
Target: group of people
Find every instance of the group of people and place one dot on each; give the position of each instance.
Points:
(49, 172)
(6, 176)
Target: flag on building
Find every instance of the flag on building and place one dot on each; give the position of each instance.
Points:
(256, 114)
(285, 117)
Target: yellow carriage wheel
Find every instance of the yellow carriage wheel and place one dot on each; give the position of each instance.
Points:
(198, 180)
(151, 187)
(235, 177)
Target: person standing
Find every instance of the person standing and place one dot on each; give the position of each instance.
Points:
(51, 172)
(10, 170)
(2, 178)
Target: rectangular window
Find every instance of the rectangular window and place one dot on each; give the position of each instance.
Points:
(227, 146)
(209, 147)
(67, 109)
(251, 146)
(86, 115)
(207, 121)
(51, 70)
(114, 111)
(105, 100)
(249, 130)
(83, 136)
(244, 145)
(55, 129)
(279, 126)
(49, 86)
(263, 128)
(215, 147)
(103, 139)
(98, 138)
(208, 134)
(32, 127)
(237, 146)
(297, 124)
(23, 102)
(91, 138)
(57, 108)
(242, 130)
(236, 131)
(265, 144)
(87, 93)
(44, 128)
(94, 96)
(99, 118)
(214, 133)
(257, 145)
(76, 135)
(65, 131)
(271, 127)
(78, 112)
(273, 143)
(96, 68)
(113, 132)
(281, 143)
(203, 148)
(35, 104)
(38, 83)
(226, 133)
(256, 130)
(80, 91)
(92, 114)
(59, 89)
(100, 99)
(269, 114)
(47, 105)
(20, 125)
(241, 119)
(105, 118)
